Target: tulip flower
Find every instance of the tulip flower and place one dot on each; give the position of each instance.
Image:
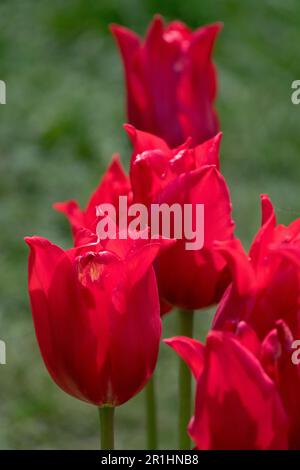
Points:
(271, 272)
(96, 315)
(279, 357)
(189, 279)
(171, 80)
(114, 183)
(238, 406)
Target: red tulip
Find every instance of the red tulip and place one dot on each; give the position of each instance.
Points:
(114, 183)
(187, 278)
(96, 315)
(170, 80)
(276, 354)
(272, 274)
(238, 405)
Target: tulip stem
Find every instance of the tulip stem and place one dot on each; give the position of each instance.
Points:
(106, 414)
(186, 318)
(151, 415)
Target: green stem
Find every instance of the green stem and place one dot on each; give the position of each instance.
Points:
(106, 414)
(185, 382)
(151, 415)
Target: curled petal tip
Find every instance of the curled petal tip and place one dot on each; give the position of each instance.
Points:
(119, 30)
(28, 240)
(156, 24)
(215, 28)
(219, 25)
(59, 206)
(130, 129)
(190, 350)
(35, 241)
(158, 17)
(266, 208)
(114, 27)
(31, 240)
(167, 341)
(265, 197)
(116, 158)
(65, 206)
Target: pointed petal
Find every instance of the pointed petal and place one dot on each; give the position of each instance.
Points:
(70, 329)
(198, 87)
(243, 275)
(208, 152)
(190, 350)
(73, 213)
(201, 279)
(265, 234)
(142, 141)
(113, 184)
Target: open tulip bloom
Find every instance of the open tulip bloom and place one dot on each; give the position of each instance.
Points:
(97, 317)
(247, 390)
(97, 306)
(189, 279)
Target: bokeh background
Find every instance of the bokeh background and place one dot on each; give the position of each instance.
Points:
(61, 124)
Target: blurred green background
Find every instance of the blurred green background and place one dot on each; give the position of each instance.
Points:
(58, 130)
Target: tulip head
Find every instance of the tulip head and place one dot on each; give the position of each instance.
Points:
(237, 405)
(171, 80)
(96, 315)
(186, 176)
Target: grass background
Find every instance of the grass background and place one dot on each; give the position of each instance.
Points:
(58, 130)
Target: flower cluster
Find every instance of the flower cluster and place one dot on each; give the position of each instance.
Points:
(97, 307)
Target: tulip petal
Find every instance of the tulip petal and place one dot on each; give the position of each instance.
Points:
(135, 341)
(71, 332)
(190, 350)
(73, 213)
(143, 141)
(266, 232)
(44, 260)
(114, 183)
(242, 271)
(198, 87)
(208, 152)
(203, 276)
(129, 45)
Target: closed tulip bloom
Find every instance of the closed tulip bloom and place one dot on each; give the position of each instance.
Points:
(237, 405)
(186, 175)
(96, 315)
(113, 184)
(171, 80)
(271, 272)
